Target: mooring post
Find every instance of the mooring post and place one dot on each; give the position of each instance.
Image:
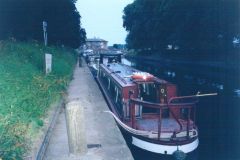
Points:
(76, 128)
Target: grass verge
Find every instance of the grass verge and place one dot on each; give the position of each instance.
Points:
(26, 92)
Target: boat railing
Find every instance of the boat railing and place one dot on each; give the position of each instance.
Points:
(174, 107)
(191, 97)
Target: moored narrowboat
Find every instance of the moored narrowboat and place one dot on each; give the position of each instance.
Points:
(148, 108)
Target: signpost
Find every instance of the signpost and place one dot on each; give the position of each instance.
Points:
(45, 32)
(48, 57)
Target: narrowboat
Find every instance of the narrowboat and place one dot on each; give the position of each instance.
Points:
(148, 108)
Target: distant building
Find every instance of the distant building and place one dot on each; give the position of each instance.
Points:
(96, 44)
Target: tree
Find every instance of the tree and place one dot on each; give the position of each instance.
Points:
(22, 19)
(196, 26)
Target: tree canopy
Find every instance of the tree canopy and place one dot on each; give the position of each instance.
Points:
(195, 26)
(22, 19)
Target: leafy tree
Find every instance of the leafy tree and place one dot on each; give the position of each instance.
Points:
(195, 26)
(22, 19)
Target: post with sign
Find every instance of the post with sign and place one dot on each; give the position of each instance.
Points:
(45, 32)
(48, 57)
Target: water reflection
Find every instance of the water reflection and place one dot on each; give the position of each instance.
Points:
(237, 92)
(170, 74)
(217, 117)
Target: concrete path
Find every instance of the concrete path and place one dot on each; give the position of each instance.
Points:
(103, 138)
(58, 144)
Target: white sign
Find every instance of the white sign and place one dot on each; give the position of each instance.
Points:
(44, 26)
(48, 62)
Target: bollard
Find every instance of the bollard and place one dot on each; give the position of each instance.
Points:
(79, 61)
(76, 128)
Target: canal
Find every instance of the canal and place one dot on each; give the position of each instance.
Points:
(218, 117)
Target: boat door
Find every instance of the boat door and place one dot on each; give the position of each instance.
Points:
(167, 91)
(163, 92)
(148, 91)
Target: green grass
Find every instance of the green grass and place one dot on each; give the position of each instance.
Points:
(26, 93)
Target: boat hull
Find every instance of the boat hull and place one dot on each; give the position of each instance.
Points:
(164, 149)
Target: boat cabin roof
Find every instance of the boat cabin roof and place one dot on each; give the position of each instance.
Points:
(123, 74)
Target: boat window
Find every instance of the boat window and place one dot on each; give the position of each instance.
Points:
(112, 89)
(118, 100)
(104, 79)
(116, 96)
(138, 110)
(108, 83)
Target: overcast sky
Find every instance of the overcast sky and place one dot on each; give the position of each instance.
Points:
(103, 19)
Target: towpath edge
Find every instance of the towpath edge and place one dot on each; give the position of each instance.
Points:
(103, 138)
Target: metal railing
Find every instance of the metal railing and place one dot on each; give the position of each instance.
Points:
(172, 106)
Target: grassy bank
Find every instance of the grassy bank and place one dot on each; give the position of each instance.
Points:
(26, 92)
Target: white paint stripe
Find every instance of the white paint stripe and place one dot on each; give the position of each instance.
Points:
(157, 148)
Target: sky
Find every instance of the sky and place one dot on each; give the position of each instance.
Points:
(103, 19)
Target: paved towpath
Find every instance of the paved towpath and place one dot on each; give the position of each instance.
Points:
(103, 137)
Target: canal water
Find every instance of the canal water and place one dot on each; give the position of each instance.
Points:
(218, 117)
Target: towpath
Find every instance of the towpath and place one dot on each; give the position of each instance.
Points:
(103, 138)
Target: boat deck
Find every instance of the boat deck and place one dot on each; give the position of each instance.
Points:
(167, 125)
